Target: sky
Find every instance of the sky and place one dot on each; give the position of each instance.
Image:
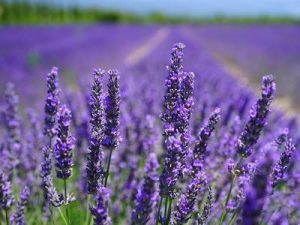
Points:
(196, 8)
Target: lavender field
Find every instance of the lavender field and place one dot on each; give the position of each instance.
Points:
(131, 124)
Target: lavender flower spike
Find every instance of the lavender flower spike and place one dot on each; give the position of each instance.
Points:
(201, 220)
(12, 121)
(94, 167)
(6, 197)
(172, 168)
(281, 166)
(147, 194)
(186, 203)
(258, 118)
(184, 113)
(52, 102)
(201, 144)
(100, 211)
(18, 218)
(64, 144)
(50, 191)
(112, 111)
(257, 192)
(172, 94)
(174, 149)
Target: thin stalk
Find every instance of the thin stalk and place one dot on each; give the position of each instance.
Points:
(62, 216)
(67, 207)
(169, 211)
(1, 215)
(6, 217)
(224, 213)
(158, 211)
(233, 218)
(108, 167)
(87, 219)
(166, 208)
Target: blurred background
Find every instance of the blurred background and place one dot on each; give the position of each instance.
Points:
(249, 38)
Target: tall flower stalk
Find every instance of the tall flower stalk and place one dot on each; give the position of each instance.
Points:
(13, 127)
(147, 194)
(100, 211)
(177, 108)
(112, 117)
(257, 193)
(52, 104)
(6, 196)
(252, 131)
(63, 150)
(94, 166)
(18, 218)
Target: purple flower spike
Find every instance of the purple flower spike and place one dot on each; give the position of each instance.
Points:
(100, 211)
(18, 218)
(172, 167)
(257, 192)
(207, 208)
(147, 194)
(50, 191)
(282, 165)
(172, 95)
(6, 197)
(64, 144)
(112, 111)
(12, 123)
(258, 118)
(95, 155)
(186, 203)
(52, 103)
(203, 137)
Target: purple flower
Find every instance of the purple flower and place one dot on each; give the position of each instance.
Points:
(12, 123)
(52, 103)
(209, 202)
(186, 202)
(172, 167)
(172, 94)
(147, 193)
(64, 144)
(56, 199)
(175, 118)
(257, 193)
(50, 191)
(95, 155)
(6, 197)
(112, 111)
(282, 165)
(184, 113)
(203, 137)
(100, 210)
(18, 218)
(258, 118)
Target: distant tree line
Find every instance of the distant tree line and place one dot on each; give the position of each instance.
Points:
(26, 12)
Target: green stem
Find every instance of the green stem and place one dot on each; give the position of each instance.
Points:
(169, 211)
(62, 216)
(6, 217)
(224, 212)
(87, 211)
(108, 167)
(158, 211)
(166, 208)
(233, 218)
(67, 208)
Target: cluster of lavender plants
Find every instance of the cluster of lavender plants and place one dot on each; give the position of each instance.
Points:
(135, 153)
